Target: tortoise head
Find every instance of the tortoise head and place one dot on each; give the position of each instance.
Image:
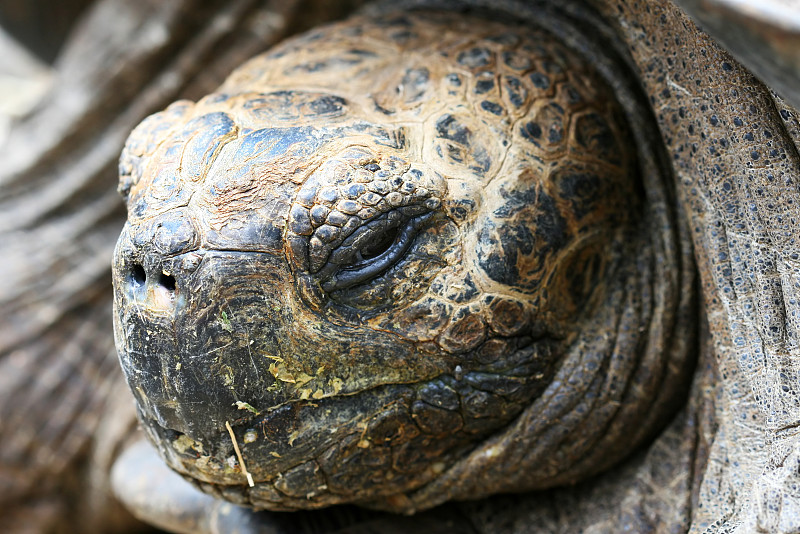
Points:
(393, 255)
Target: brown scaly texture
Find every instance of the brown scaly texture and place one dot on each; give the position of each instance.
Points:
(432, 256)
(734, 147)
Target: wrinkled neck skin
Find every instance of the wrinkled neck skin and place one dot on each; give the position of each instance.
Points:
(724, 128)
(729, 458)
(465, 283)
(643, 336)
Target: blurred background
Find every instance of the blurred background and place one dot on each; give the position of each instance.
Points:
(31, 34)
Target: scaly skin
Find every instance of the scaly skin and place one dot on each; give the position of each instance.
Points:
(408, 258)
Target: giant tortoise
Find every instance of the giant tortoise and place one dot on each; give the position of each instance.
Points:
(445, 252)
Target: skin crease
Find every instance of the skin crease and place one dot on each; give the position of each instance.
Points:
(454, 235)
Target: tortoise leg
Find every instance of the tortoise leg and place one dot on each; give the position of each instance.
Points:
(157, 495)
(160, 497)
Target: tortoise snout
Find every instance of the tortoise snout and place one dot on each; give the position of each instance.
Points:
(154, 288)
(153, 262)
(167, 235)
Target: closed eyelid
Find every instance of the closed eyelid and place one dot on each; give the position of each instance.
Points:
(348, 277)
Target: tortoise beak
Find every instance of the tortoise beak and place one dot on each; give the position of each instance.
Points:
(189, 351)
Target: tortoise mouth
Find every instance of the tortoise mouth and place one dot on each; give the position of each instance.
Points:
(368, 447)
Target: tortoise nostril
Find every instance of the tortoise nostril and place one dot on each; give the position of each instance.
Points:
(138, 275)
(167, 281)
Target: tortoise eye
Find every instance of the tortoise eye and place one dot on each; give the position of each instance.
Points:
(380, 244)
(370, 251)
